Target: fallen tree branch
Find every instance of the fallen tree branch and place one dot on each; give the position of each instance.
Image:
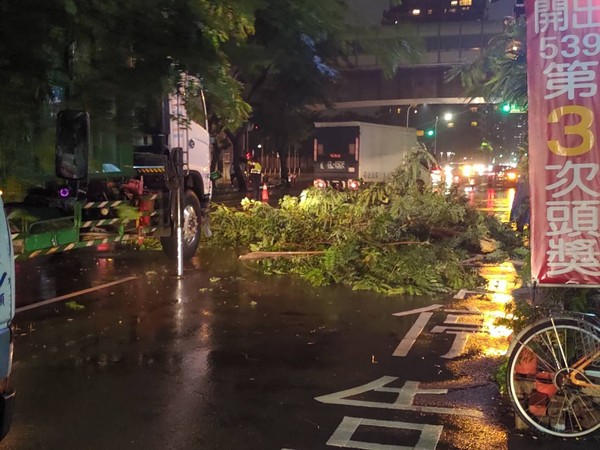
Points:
(264, 255)
(471, 261)
(444, 233)
(408, 243)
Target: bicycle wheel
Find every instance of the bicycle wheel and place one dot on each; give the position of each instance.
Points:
(553, 377)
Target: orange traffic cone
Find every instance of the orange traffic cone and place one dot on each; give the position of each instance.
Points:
(265, 193)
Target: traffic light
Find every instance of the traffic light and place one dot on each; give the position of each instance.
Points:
(430, 133)
(505, 107)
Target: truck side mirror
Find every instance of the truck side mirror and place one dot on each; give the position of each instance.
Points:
(72, 144)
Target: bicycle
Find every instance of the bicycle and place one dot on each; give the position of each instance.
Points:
(553, 374)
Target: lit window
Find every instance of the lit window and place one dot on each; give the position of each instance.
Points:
(454, 2)
(450, 124)
(416, 12)
(465, 2)
(474, 123)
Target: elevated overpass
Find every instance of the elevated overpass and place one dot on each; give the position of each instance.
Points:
(418, 94)
(446, 44)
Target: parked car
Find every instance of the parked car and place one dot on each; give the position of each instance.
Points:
(463, 175)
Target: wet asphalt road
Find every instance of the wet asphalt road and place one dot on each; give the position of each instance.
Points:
(228, 359)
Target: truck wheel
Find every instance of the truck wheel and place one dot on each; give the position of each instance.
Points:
(191, 229)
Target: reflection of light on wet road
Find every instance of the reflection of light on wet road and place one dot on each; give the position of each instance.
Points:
(496, 202)
(501, 281)
(502, 298)
(105, 266)
(493, 329)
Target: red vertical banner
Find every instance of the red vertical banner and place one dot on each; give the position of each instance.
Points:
(563, 54)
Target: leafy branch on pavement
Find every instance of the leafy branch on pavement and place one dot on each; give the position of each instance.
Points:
(356, 236)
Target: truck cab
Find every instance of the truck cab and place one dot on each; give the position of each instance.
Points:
(124, 180)
(7, 312)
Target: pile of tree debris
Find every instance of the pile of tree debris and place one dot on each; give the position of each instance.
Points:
(391, 237)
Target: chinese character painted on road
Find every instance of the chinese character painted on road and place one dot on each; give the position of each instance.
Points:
(429, 435)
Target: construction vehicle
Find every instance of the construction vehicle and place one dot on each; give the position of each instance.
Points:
(349, 153)
(123, 180)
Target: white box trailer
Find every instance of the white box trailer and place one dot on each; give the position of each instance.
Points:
(345, 151)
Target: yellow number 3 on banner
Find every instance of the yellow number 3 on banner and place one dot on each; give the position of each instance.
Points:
(580, 129)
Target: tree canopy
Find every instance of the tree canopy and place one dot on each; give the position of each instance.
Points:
(258, 59)
(93, 55)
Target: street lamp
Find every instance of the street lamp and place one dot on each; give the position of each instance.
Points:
(408, 113)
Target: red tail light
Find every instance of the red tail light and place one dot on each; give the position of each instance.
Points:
(353, 185)
(320, 184)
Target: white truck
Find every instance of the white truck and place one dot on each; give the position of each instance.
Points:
(7, 312)
(347, 153)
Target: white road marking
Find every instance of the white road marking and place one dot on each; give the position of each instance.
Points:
(403, 402)
(460, 295)
(412, 335)
(72, 294)
(458, 346)
(418, 310)
(342, 437)
(464, 327)
(451, 318)
(463, 311)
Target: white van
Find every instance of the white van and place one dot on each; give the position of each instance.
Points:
(7, 312)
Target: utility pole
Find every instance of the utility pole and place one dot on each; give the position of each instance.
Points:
(407, 114)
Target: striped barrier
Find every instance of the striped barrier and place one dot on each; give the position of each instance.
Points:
(105, 204)
(151, 170)
(74, 245)
(142, 231)
(85, 244)
(115, 203)
(103, 222)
